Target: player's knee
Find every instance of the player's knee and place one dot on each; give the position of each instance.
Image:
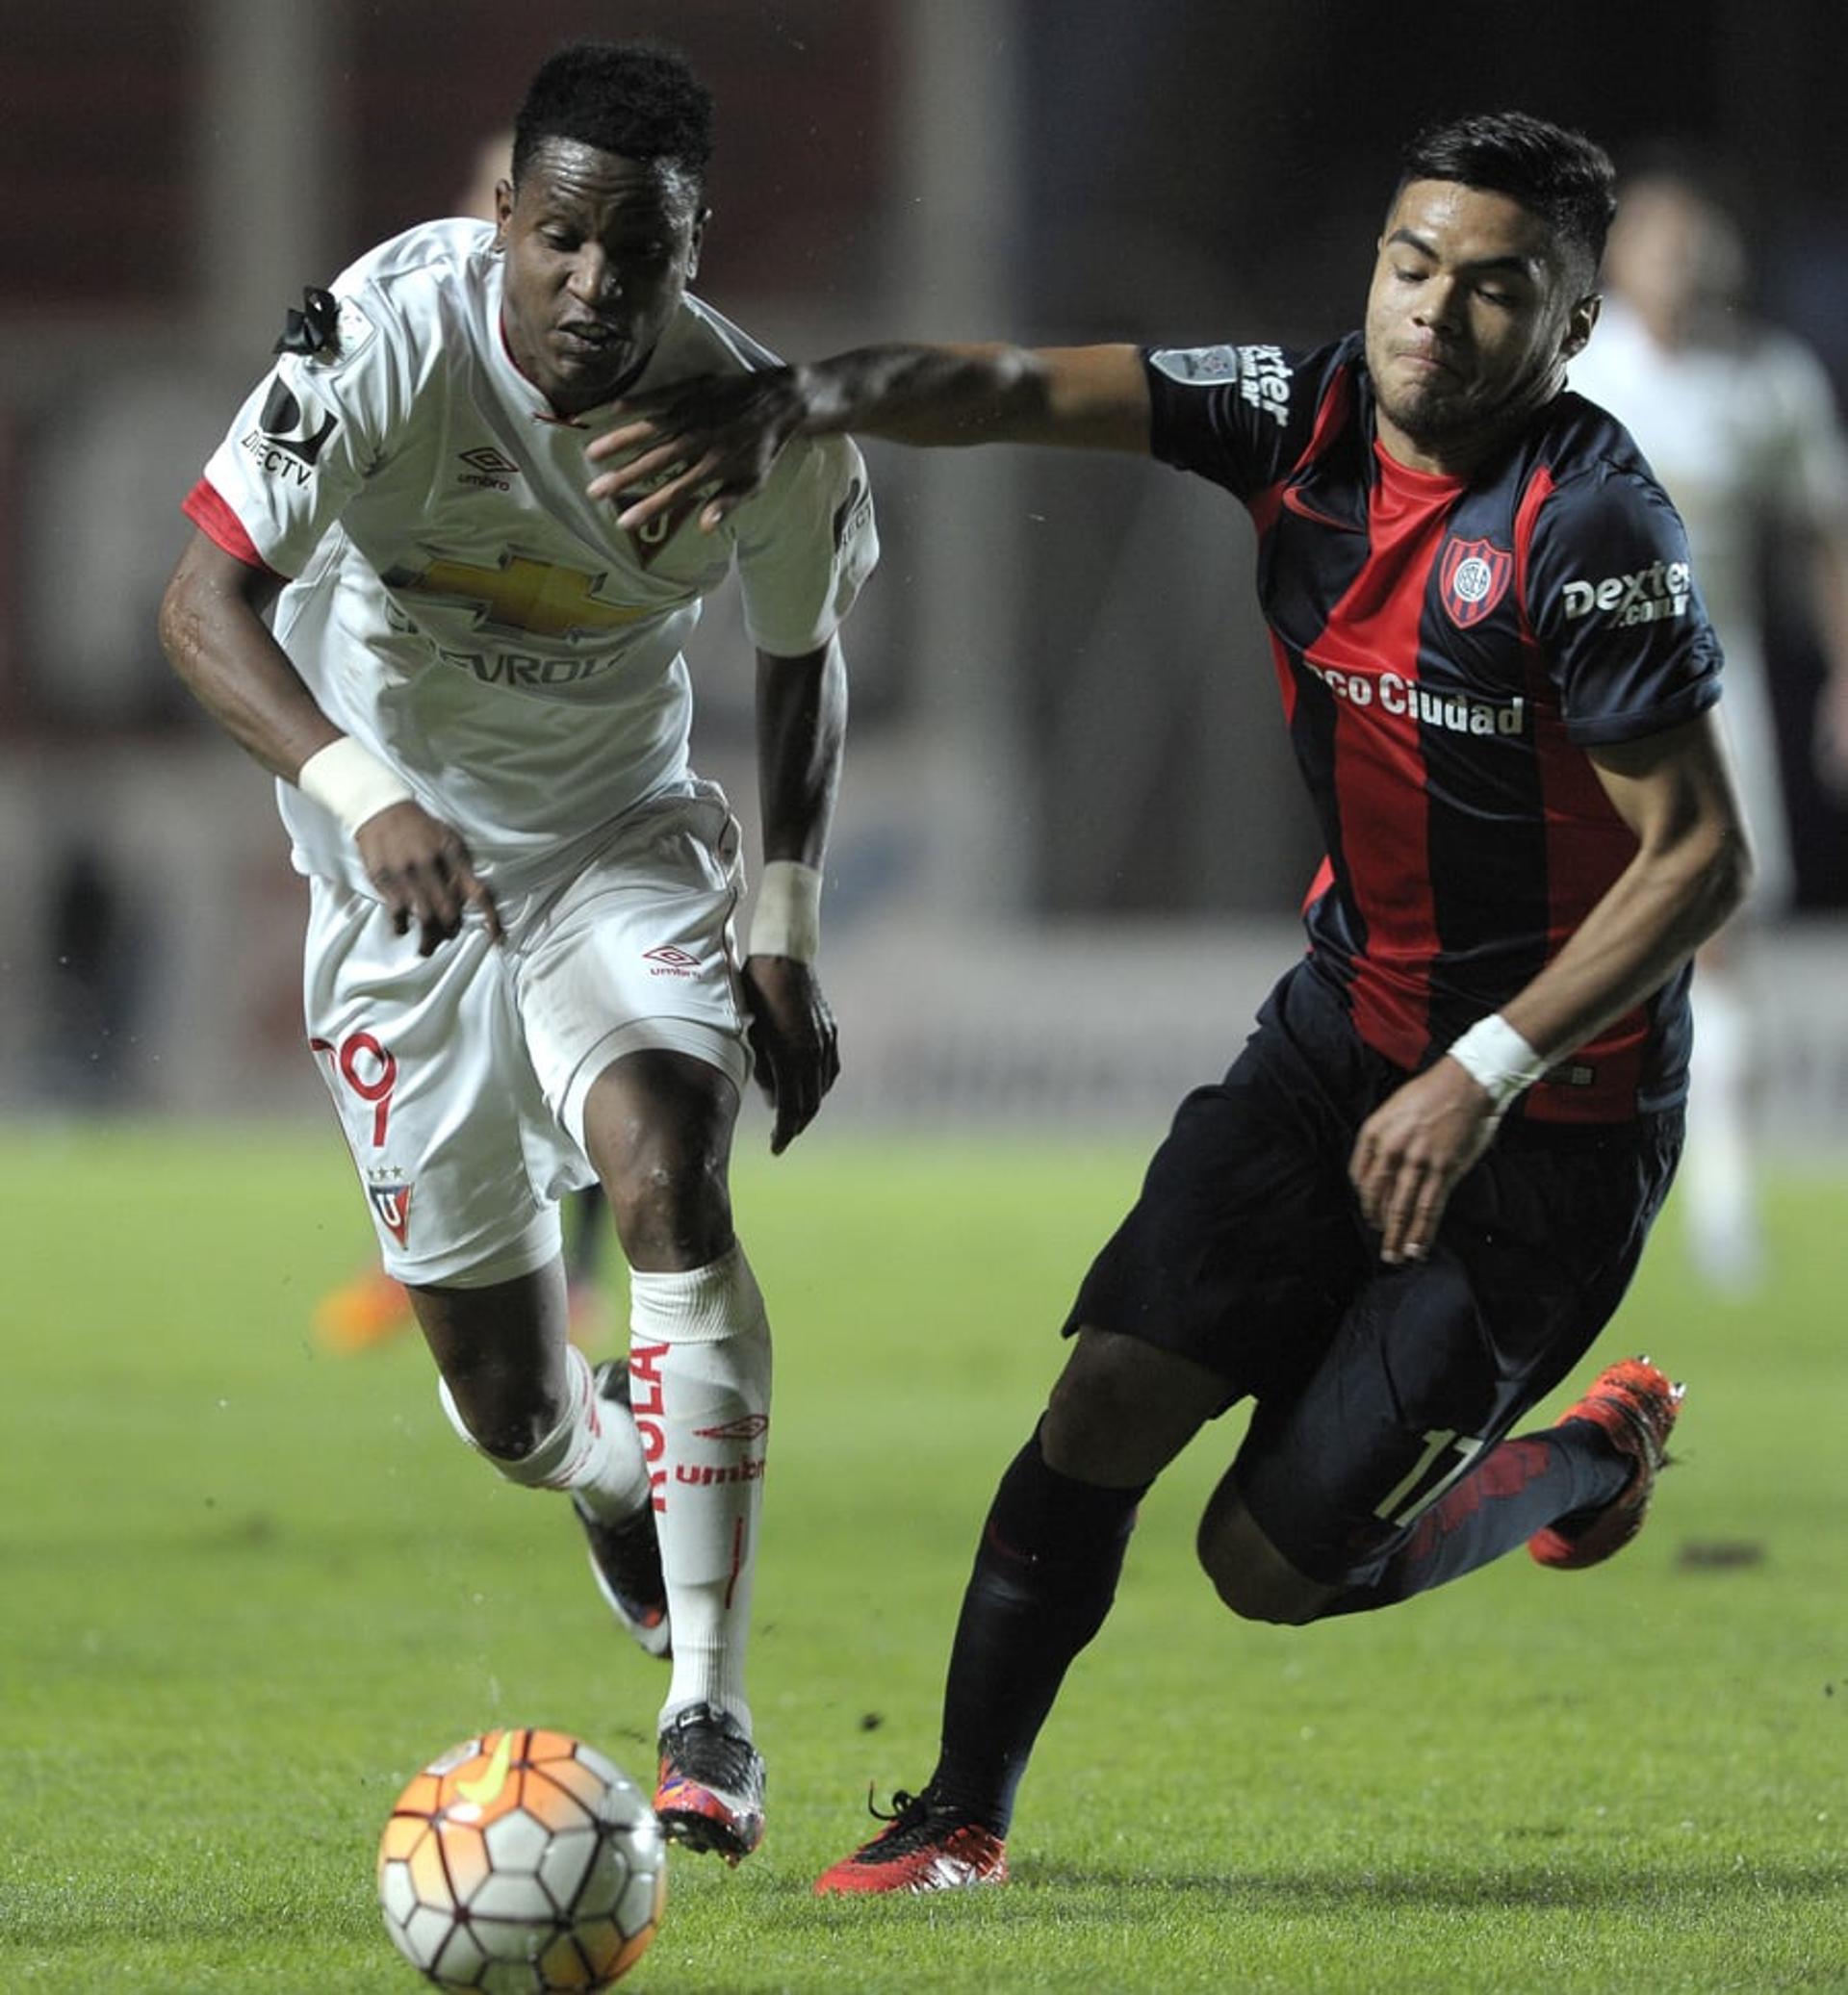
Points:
(670, 1203)
(1121, 1409)
(658, 1129)
(506, 1426)
(1093, 1428)
(1249, 1575)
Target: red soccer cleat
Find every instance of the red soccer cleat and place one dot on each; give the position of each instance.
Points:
(922, 1848)
(1636, 1404)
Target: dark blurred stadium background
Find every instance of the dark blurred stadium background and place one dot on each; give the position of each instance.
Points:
(1072, 841)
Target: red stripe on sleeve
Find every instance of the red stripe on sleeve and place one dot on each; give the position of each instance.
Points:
(215, 520)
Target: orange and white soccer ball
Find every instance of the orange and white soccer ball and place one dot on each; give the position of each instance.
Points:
(522, 1862)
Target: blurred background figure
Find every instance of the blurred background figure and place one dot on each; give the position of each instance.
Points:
(1740, 420)
(371, 1307)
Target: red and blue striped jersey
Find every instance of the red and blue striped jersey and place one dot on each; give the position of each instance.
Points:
(1447, 650)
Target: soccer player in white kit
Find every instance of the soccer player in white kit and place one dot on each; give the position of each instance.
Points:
(1738, 421)
(521, 969)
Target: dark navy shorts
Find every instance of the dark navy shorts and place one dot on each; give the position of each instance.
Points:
(1374, 1387)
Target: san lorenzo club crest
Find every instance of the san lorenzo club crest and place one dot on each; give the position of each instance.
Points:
(1472, 577)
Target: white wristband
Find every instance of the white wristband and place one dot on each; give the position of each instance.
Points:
(786, 920)
(351, 782)
(1495, 1055)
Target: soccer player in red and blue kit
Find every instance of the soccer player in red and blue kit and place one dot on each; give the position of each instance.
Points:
(1420, 1190)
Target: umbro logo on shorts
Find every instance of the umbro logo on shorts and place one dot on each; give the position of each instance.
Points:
(671, 960)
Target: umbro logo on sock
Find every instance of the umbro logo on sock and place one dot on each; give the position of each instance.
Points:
(746, 1429)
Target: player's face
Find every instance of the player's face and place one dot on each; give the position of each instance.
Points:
(1472, 315)
(600, 249)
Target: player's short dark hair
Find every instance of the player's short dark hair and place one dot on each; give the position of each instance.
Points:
(631, 98)
(1562, 176)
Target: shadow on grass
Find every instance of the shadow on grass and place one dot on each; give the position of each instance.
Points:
(1639, 1889)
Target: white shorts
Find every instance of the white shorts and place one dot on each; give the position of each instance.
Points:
(460, 1078)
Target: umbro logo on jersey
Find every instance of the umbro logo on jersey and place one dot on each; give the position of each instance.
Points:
(488, 468)
(287, 438)
(1471, 578)
(670, 960)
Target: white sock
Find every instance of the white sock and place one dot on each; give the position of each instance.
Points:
(593, 1451)
(699, 1373)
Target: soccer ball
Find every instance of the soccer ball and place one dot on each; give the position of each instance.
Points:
(522, 1862)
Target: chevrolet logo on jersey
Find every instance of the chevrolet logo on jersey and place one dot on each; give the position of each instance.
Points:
(521, 595)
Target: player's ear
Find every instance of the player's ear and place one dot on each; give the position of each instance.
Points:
(1580, 322)
(502, 211)
(695, 242)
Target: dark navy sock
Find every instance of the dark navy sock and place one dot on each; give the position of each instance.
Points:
(1518, 1488)
(1044, 1576)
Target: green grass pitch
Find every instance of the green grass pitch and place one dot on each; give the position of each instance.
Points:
(249, 1588)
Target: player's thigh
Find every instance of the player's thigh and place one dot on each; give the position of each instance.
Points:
(424, 1058)
(1434, 1362)
(638, 955)
(1245, 1240)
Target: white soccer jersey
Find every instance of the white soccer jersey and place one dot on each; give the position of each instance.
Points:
(1746, 440)
(458, 606)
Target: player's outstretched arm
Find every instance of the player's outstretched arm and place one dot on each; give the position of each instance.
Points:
(1692, 866)
(801, 722)
(213, 632)
(724, 432)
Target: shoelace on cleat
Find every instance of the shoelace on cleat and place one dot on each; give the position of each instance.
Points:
(914, 1824)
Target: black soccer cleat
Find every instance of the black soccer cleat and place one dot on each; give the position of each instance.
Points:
(626, 1556)
(710, 1794)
